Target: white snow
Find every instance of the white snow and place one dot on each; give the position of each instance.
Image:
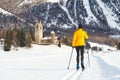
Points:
(32, 1)
(115, 36)
(25, 2)
(66, 26)
(103, 46)
(52, 1)
(49, 62)
(5, 12)
(111, 17)
(75, 11)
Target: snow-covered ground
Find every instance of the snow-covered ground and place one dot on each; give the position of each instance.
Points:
(49, 62)
(115, 36)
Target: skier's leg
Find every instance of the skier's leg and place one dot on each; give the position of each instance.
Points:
(82, 57)
(77, 58)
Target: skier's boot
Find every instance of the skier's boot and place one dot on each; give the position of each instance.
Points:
(77, 66)
(82, 65)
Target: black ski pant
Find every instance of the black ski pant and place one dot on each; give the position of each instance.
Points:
(80, 53)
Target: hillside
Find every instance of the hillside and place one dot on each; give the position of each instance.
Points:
(96, 15)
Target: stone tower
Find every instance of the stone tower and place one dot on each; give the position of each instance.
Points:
(53, 37)
(38, 32)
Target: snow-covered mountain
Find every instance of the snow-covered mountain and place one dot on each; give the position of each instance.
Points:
(96, 15)
(7, 19)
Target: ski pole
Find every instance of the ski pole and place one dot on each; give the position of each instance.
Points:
(70, 58)
(88, 58)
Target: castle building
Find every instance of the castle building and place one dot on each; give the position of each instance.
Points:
(39, 39)
(38, 32)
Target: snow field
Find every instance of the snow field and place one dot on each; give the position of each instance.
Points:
(49, 62)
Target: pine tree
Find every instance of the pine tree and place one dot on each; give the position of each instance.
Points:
(7, 43)
(118, 46)
(14, 37)
(22, 38)
(4, 31)
(59, 42)
(28, 41)
(18, 37)
(65, 40)
(32, 34)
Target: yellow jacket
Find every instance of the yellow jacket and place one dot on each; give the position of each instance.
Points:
(79, 38)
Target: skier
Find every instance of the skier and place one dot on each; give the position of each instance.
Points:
(78, 42)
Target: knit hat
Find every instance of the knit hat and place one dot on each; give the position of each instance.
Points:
(80, 26)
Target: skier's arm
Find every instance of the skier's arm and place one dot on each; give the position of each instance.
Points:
(86, 36)
(73, 40)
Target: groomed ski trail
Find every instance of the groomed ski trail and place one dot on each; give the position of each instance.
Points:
(98, 67)
(76, 74)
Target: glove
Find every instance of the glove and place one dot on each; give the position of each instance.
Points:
(73, 46)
